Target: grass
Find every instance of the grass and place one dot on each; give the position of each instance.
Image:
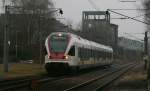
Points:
(20, 69)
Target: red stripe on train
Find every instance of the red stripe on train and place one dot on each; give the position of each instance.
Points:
(56, 56)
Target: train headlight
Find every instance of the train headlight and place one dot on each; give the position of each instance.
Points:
(59, 34)
(66, 56)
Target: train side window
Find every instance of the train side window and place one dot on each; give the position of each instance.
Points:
(72, 51)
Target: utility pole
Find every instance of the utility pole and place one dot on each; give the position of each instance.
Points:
(146, 43)
(147, 63)
(6, 48)
(40, 36)
(16, 46)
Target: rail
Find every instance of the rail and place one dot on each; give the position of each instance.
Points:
(32, 83)
(114, 75)
(14, 84)
(27, 83)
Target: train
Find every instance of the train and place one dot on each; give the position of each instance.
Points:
(70, 52)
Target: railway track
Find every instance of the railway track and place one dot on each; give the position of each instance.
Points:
(24, 83)
(86, 82)
(81, 82)
(97, 83)
(59, 85)
(13, 84)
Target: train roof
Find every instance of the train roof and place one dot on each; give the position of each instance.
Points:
(81, 42)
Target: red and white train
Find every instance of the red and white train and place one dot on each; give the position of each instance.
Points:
(67, 51)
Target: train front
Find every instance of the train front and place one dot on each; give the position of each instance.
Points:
(56, 60)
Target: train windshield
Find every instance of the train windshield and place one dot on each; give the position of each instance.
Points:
(58, 43)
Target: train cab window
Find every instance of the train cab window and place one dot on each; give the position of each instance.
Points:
(72, 51)
(58, 43)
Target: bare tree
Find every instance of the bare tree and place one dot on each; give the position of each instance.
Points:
(33, 4)
(30, 26)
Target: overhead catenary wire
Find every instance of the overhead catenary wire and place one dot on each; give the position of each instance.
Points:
(132, 9)
(95, 7)
(127, 0)
(134, 17)
(141, 15)
(137, 10)
(128, 17)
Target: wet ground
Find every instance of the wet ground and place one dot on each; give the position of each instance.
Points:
(134, 80)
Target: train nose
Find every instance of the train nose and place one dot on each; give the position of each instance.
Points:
(57, 56)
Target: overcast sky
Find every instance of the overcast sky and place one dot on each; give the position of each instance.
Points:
(73, 11)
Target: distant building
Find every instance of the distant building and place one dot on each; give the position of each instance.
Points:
(130, 50)
(96, 26)
(94, 18)
(130, 44)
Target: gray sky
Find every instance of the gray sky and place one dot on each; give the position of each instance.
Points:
(73, 11)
